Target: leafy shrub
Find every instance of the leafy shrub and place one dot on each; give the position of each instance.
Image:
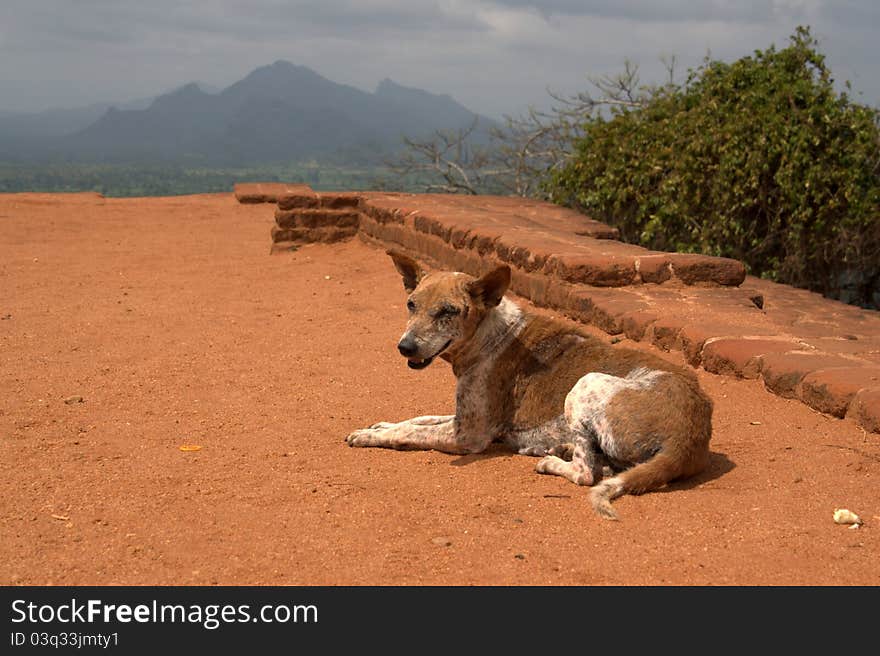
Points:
(760, 160)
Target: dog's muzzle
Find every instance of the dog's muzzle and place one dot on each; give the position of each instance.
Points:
(415, 363)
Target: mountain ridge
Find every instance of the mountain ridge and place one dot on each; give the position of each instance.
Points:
(278, 112)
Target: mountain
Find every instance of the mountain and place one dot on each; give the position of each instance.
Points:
(280, 112)
(59, 121)
(430, 108)
(49, 123)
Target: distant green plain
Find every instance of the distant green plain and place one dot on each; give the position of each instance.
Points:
(129, 180)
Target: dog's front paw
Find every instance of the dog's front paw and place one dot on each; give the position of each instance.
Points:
(376, 435)
(381, 424)
(359, 437)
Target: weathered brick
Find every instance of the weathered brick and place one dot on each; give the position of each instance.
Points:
(596, 269)
(783, 372)
(383, 214)
(298, 197)
(554, 217)
(340, 200)
(654, 268)
(603, 308)
(740, 357)
(597, 230)
(832, 390)
(664, 332)
(530, 285)
(264, 192)
(636, 323)
(865, 409)
(527, 234)
(326, 235)
(693, 336)
(432, 226)
(608, 313)
(315, 218)
(692, 268)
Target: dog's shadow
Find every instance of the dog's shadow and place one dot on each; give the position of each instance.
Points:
(493, 451)
(719, 465)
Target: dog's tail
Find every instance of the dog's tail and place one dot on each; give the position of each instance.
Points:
(642, 478)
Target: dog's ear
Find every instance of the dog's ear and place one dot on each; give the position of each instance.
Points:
(408, 268)
(490, 288)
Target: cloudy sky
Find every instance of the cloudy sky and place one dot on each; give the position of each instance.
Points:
(494, 56)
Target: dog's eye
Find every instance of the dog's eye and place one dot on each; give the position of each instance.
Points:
(411, 306)
(447, 311)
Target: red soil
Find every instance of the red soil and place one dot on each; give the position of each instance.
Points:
(171, 321)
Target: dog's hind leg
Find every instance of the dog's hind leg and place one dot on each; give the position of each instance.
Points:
(550, 438)
(584, 468)
(563, 451)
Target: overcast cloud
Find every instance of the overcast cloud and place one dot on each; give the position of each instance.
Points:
(494, 56)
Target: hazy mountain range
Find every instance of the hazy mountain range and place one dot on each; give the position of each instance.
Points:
(281, 112)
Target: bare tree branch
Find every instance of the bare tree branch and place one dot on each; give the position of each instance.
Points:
(447, 162)
(523, 150)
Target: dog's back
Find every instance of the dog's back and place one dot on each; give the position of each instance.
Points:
(542, 365)
(643, 414)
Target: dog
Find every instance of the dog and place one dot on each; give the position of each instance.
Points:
(545, 389)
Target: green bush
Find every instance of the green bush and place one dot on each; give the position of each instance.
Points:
(760, 160)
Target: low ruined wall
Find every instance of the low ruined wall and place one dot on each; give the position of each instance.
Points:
(802, 346)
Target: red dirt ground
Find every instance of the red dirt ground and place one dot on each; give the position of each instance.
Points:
(171, 321)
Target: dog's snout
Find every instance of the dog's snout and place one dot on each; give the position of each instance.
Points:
(407, 347)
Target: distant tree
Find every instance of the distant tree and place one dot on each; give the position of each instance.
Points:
(529, 147)
(760, 160)
(447, 162)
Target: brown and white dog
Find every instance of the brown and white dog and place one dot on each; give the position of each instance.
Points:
(545, 389)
